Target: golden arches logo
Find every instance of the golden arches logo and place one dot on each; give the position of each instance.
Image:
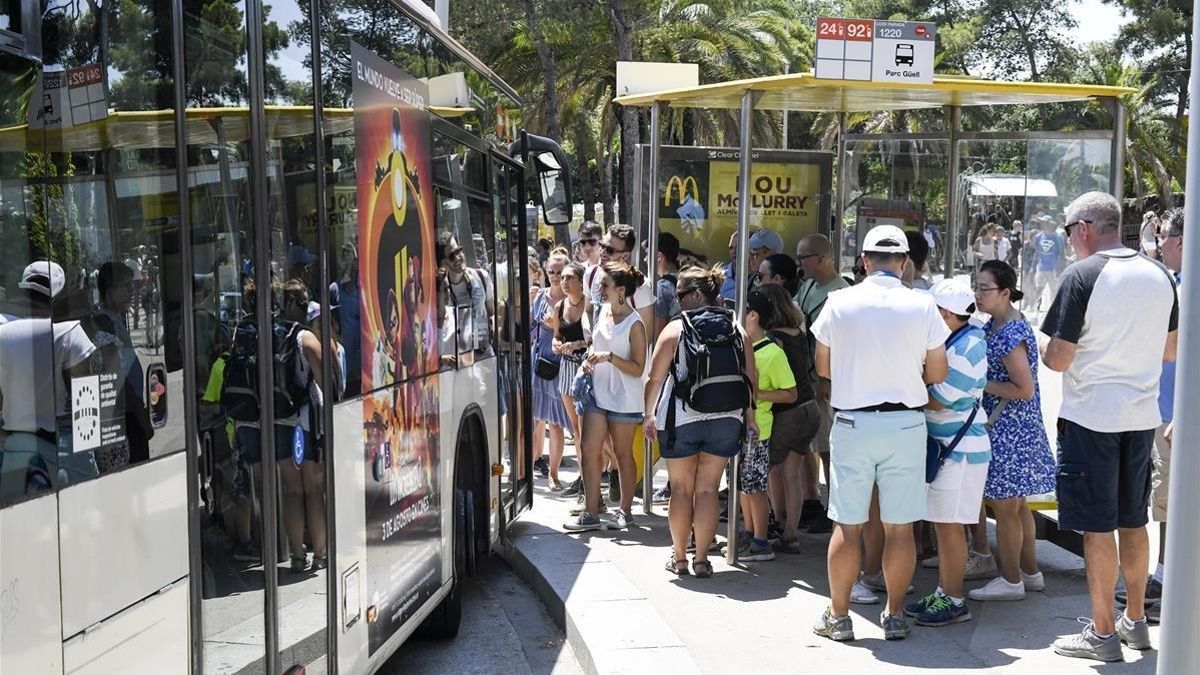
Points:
(681, 185)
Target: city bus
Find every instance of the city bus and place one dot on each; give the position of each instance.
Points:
(243, 229)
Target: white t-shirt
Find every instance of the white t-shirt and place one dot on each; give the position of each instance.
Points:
(32, 359)
(878, 333)
(1117, 307)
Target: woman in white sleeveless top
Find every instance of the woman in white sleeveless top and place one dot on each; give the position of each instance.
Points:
(617, 363)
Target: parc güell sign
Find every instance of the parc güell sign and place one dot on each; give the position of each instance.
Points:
(875, 50)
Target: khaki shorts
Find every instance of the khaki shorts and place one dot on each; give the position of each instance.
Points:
(1161, 455)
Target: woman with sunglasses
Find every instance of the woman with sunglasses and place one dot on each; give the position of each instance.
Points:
(548, 405)
(1022, 464)
(572, 335)
(703, 442)
(616, 361)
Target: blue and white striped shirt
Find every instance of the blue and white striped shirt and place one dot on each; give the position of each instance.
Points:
(962, 388)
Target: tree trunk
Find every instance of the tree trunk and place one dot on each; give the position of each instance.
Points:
(630, 136)
(586, 187)
(549, 72)
(606, 188)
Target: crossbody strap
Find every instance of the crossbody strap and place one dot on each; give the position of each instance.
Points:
(963, 431)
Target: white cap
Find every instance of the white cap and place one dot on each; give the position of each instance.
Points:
(954, 295)
(886, 239)
(38, 273)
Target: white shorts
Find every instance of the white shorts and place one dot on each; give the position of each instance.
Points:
(957, 492)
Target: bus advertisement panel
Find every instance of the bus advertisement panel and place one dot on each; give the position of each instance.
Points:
(399, 342)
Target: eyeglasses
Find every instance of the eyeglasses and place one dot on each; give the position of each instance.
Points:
(588, 242)
(985, 289)
(454, 252)
(680, 295)
(1068, 227)
(608, 250)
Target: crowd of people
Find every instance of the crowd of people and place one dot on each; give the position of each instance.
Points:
(919, 401)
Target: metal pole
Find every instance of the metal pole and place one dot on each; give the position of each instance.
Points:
(743, 278)
(1180, 650)
(652, 275)
(1116, 174)
(783, 142)
(835, 236)
(951, 234)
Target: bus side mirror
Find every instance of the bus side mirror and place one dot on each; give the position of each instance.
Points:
(549, 162)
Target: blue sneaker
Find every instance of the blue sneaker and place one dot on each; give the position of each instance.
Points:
(915, 609)
(943, 612)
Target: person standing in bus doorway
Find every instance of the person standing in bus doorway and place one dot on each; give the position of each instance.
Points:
(1111, 326)
(879, 343)
(616, 361)
(696, 445)
(345, 295)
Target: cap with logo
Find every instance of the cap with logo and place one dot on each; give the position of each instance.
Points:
(954, 295)
(768, 239)
(44, 276)
(885, 239)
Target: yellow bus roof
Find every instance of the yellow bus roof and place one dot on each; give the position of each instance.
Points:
(804, 92)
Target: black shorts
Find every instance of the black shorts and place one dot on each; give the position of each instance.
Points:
(1103, 478)
(793, 430)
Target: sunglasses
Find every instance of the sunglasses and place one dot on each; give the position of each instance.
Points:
(588, 242)
(1067, 228)
(608, 250)
(680, 295)
(454, 252)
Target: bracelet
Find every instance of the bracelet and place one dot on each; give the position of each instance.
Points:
(610, 357)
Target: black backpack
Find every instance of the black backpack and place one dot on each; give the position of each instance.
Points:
(239, 394)
(796, 348)
(711, 348)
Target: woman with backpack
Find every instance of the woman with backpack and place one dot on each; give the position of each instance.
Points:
(548, 408)
(616, 363)
(796, 423)
(697, 445)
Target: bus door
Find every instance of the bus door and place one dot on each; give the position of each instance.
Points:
(512, 292)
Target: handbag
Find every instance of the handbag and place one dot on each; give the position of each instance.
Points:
(544, 367)
(936, 453)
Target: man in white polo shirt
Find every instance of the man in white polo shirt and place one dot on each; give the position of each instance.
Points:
(1112, 325)
(880, 344)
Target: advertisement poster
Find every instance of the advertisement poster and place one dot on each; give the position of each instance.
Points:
(698, 196)
(399, 341)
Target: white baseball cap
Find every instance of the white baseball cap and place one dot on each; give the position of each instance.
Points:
(45, 277)
(885, 239)
(954, 295)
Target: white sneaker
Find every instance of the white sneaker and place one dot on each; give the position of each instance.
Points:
(1033, 582)
(861, 595)
(876, 582)
(980, 567)
(999, 589)
(930, 563)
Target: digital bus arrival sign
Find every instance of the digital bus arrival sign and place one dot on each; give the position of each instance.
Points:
(875, 50)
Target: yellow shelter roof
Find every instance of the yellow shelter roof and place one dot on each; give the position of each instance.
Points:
(804, 92)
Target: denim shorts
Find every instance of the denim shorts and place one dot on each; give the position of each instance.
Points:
(721, 437)
(619, 417)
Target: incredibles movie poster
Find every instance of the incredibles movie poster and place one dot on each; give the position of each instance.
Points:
(399, 342)
(698, 196)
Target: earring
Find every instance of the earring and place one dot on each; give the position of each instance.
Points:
(621, 301)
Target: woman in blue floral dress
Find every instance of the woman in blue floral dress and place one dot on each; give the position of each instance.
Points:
(1022, 463)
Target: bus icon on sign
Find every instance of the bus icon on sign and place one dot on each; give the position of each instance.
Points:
(904, 54)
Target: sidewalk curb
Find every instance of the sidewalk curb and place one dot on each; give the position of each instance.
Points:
(588, 622)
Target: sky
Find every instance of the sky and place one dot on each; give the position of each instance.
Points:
(1097, 21)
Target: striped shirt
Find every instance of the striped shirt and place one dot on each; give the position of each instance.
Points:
(959, 393)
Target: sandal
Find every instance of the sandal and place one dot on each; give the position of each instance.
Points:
(555, 485)
(788, 546)
(703, 569)
(678, 567)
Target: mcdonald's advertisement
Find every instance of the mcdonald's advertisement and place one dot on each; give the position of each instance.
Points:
(698, 196)
(392, 139)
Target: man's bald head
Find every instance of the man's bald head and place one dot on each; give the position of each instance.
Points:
(814, 244)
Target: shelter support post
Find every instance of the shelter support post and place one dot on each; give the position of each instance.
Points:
(950, 236)
(1116, 175)
(652, 275)
(1180, 651)
(839, 206)
(742, 275)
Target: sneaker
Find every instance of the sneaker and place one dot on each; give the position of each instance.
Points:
(1135, 634)
(930, 563)
(662, 495)
(757, 553)
(299, 563)
(942, 612)
(861, 595)
(1153, 592)
(320, 562)
(605, 477)
(245, 552)
(583, 523)
(574, 489)
(1033, 583)
(999, 589)
(1088, 645)
(580, 508)
(876, 582)
(1154, 612)
(980, 567)
(895, 626)
(915, 609)
(542, 465)
(791, 546)
(836, 628)
(620, 519)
